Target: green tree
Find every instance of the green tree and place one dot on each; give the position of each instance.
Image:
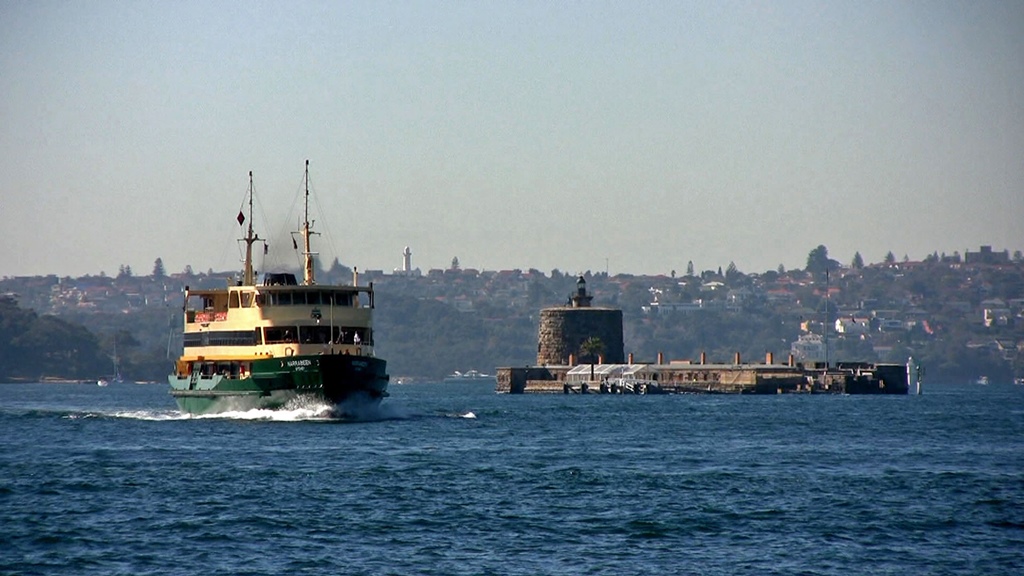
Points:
(689, 269)
(591, 349)
(158, 269)
(858, 262)
(733, 274)
(817, 260)
(890, 258)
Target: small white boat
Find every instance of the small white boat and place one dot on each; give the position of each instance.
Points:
(469, 376)
(102, 382)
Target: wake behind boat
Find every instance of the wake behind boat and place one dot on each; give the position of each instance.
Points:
(261, 346)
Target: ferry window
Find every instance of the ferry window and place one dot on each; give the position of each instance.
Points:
(352, 335)
(228, 338)
(342, 299)
(284, 299)
(280, 334)
(313, 298)
(193, 303)
(315, 334)
(233, 300)
(257, 337)
(246, 299)
(261, 300)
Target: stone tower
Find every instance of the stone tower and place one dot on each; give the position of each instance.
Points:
(564, 329)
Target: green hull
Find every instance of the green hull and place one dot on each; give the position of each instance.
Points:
(274, 382)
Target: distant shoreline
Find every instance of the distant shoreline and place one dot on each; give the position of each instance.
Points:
(56, 380)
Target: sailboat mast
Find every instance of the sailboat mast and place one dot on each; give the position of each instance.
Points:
(828, 300)
(308, 278)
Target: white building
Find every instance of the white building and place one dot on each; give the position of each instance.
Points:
(852, 326)
(808, 348)
(407, 269)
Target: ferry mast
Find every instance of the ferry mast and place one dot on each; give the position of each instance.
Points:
(306, 231)
(248, 274)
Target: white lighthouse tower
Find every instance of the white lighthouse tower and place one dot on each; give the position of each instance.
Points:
(407, 269)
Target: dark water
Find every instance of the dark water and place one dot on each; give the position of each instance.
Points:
(452, 479)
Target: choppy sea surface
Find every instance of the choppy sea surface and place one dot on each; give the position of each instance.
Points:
(453, 479)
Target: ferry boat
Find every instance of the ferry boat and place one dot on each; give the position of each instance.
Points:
(263, 345)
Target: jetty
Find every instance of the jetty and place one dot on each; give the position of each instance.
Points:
(706, 378)
(580, 351)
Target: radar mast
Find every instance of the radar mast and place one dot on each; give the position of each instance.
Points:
(306, 231)
(248, 274)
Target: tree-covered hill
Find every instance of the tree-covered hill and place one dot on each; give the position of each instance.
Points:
(34, 346)
(962, 316)
(427, 338)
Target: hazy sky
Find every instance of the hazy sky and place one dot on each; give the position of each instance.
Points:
(569, 135)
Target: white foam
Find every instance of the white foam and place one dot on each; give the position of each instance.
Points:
(466, 415)
(297, 410)
(151, 415)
